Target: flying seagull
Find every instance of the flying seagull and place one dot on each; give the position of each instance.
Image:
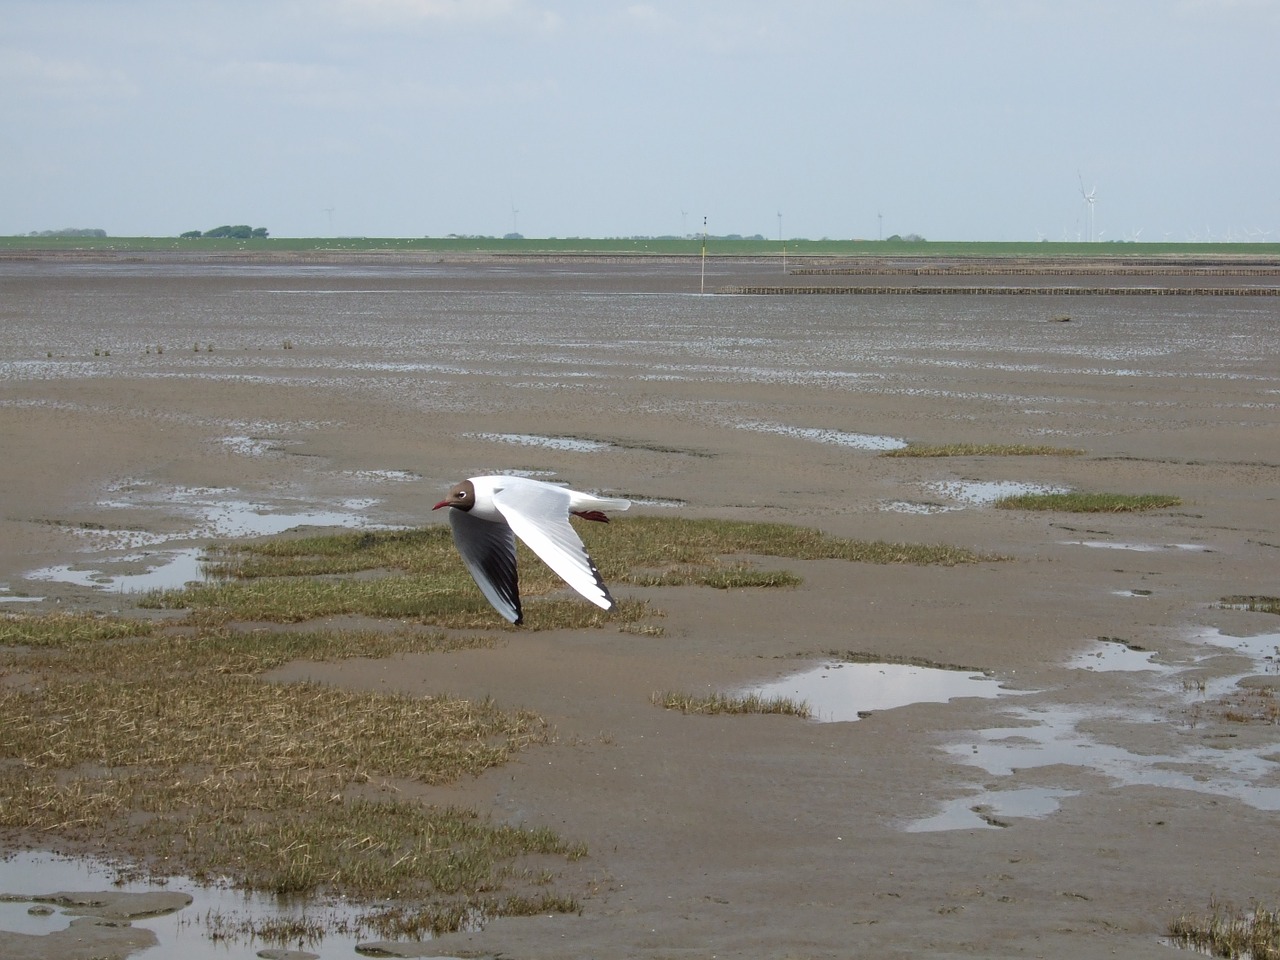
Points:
(487, 515)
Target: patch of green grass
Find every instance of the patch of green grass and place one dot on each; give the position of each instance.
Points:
(712, 703)
(722, 578)
(635, 546)
(1254, 604)
(1231, 932)
(981, 450)
(61, 629)
(416, 575)
(1089, 502)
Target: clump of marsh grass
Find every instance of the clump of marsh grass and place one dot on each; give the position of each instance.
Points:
(632, 547)
(1254, 604)
(981, 450)
(415, 575)
(421, 922)
(302, 931)
(1088, 502)
(63, 629)
(130, 740)
(726, 577)
(1247, 705)
(719, 703)
(1230, 932)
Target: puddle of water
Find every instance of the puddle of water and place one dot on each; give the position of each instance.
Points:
(183, 933)
(916, 507)
(213, 514)
(1053, 736)
(981, 493)
(1107, 656)
(7, 597)
(987, 810)
(217, 512)
(255, 446)
(838, 692)
(1138, 547)
(526, 473)
(395, 476)
(858, 441)
(1264, 648)
(239, 518)
(165, 570)
(551, 443)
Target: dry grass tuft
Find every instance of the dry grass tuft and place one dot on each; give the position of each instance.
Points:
(1253, 603)
(1229, 932)
(714, 703)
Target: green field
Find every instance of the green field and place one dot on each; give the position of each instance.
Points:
(639, 247)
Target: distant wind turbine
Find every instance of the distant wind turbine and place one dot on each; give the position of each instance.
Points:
(1090, 199)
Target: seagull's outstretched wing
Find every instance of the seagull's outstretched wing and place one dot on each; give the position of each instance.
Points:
(489, 551)
(539, 514)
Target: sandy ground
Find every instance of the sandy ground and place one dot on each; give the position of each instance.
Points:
(739, 836)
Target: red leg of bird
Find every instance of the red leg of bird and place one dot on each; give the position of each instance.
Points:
(591, 515)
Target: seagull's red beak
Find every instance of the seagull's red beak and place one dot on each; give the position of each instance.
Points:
(442, 503)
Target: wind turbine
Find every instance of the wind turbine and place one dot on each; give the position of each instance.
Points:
(1090, 199)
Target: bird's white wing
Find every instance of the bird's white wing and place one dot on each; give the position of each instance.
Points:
(539, 514)
(489, 551)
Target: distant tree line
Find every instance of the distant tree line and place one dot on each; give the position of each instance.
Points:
(70, 232)
(239, 232)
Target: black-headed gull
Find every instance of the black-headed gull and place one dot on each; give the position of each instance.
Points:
(490, 512)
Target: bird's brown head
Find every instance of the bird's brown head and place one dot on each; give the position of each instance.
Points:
(462, 496)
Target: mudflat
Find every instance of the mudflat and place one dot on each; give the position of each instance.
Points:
(150, 406)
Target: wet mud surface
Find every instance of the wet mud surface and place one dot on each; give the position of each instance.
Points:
(1087, 793)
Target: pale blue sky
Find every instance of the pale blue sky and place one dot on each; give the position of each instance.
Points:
(953, 119)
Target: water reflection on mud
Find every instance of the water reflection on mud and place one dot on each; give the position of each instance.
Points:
(838, 692)
(130, 560)
(182, 915)
(1068, 735)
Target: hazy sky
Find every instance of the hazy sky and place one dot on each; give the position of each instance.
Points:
(952, 119)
